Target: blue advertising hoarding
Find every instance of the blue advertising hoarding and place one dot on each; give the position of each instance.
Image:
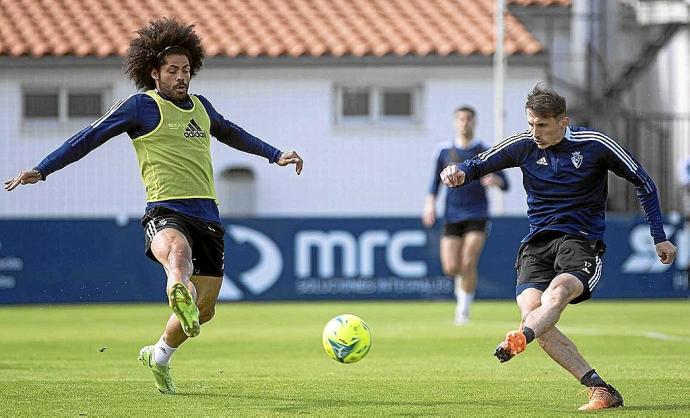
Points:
(73, 261)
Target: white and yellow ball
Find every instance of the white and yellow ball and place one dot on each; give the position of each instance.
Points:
(346, 338)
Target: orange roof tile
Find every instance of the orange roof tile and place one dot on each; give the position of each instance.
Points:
(270, 28)
(543, 3)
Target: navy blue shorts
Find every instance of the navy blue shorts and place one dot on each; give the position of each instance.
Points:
(206, 239)
(458, 229)
(543, 258)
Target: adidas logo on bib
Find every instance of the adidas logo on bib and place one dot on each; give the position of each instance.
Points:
(193, 130)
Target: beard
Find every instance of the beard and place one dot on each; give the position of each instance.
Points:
(177, 91)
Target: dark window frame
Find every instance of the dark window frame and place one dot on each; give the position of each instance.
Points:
(376, 115)
(64, 95)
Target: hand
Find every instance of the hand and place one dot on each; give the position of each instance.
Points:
(491, 180)
(429, 216)
(666, 252)
(291, 158)
(24, 177)
(452, 176)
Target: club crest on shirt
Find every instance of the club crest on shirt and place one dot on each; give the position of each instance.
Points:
(576, 158)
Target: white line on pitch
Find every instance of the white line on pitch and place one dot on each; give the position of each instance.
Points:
(652, 335)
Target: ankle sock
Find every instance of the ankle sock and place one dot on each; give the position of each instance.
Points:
(465, 300)
(591, 379)
(529, 334)
(162, 352)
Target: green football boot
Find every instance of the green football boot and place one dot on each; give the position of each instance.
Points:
(182, 304)
(164, 381)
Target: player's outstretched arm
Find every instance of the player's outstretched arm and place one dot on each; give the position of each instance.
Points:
(666, 252)
(121, 117)
(291, 157)
(502, 155)
(24, 177)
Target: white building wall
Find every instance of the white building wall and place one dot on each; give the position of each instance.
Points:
(104, 183)
(349, 171)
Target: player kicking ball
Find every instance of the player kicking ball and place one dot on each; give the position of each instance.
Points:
(565, 170)
(170, 131)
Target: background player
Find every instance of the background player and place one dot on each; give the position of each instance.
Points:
(466, 218)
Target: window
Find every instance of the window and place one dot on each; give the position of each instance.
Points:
(61, 104)
(355, 103)
(397, 103)
(377, 105)
(41, 105)
(84, 105)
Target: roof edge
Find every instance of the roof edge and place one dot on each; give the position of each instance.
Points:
(538, 59)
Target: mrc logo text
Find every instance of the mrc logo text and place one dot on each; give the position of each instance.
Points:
(357, 253)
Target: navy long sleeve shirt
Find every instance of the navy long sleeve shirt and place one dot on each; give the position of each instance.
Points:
(138, 115)
(462, 203)
(566, 183)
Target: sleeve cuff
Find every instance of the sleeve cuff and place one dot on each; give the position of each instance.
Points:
(42, 172)
(276, 155)
(462, 167)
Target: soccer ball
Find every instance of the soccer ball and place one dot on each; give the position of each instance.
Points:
(346, 338)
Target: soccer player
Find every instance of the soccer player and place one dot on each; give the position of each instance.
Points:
(559, 262)
(170, 131)
(466, 212)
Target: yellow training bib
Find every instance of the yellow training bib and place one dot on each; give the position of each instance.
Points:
(175, 158)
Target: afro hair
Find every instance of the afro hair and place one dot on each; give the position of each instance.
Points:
(154, 42)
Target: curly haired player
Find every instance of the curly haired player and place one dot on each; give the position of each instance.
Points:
(170, 131)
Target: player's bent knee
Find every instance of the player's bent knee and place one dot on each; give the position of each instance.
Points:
(180, 249)
(467, 267)
(557, 296)
(568, 284)
(452, 270)
(528, 301)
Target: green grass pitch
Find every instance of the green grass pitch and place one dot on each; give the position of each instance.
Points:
(260, 359)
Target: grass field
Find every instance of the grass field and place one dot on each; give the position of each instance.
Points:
(266, 359)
